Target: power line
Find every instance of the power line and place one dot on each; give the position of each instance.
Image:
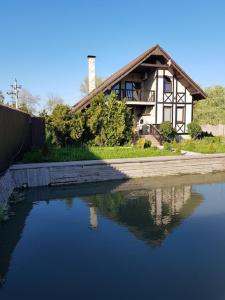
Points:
(14, 92)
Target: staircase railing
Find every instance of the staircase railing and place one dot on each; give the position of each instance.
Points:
(153, 130)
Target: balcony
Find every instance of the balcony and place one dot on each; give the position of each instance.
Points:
(136, 96)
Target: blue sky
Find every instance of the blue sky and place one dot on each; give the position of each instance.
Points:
(44, 43)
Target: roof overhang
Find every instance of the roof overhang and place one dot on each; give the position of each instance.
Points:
(195, 90)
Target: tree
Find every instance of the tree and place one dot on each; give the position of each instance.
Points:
(211, 110)
(52, 102)
(84, 85)
(109, 120)
(27, 102)
(2, 98)
(64, 126)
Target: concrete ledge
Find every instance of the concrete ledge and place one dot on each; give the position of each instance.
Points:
(43, 174)
(61, 173)
(6, 188)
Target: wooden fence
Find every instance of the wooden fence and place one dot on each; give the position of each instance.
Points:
(19, 132)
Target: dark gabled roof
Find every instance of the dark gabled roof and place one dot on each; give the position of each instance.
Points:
(195, 89)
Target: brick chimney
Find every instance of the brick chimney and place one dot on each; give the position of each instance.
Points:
(91, 73)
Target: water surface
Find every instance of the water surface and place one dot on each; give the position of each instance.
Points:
(137, 239)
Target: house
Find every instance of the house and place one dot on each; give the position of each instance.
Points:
(154, 86)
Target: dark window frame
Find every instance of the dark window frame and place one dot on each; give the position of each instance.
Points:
(183, 115)
(171, 113)
(167, 84)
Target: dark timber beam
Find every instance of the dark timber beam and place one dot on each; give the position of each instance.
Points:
(154, 66)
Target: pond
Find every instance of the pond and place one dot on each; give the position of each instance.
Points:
(159, 238)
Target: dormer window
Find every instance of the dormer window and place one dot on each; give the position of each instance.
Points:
(167, 84)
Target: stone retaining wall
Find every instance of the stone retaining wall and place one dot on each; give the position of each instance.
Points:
(44, 174)
(7, 186)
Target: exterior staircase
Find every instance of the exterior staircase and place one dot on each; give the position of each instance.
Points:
(152, 139)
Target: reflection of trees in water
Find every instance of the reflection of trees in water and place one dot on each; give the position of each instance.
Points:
(69, 202)
(150, 215)
(10, 234)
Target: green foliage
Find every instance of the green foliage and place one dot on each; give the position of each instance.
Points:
(194, 129)
(167, 130)
(74, 153)
(107, 122)
(211, 110)
(110, 121)
(205, 145)
(143, 143)
(167, 146)
(63, 126)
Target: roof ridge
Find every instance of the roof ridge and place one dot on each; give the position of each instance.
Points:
(118, 75)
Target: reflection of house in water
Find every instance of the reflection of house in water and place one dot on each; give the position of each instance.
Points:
(172, 199)
(148, 211)
(93, 218)
(150, 215)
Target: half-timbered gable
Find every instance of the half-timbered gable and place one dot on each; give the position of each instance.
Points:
(155, 87)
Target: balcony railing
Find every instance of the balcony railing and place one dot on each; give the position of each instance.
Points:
(135, 95)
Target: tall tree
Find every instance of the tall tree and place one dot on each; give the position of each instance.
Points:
(211, 110)
(2, 98)
(28, 102)
(52, 102)
(84, 85)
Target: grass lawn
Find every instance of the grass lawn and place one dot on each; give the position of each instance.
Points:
(90, 153)
(206, 145)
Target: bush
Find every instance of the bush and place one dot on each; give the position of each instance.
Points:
(167, 146)
(63, 126)
(143, 143)
(110, 121)
(194, 129)
(107, 122)
(167, 130)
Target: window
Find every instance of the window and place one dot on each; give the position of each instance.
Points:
(167, 114)
(167, 85)
(180, 115)
(117, 89)
(133, 90)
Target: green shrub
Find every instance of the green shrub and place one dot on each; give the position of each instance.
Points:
(167, 146)
(143, 143)
(212, 109)
(213, 139)
(194, 129)
(109, 121)
(63, 126)
(167, 130)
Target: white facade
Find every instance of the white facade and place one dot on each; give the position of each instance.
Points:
(175, 106)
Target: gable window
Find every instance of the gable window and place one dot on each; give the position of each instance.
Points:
(167, 85)
(180, 115)
(167, 114)
(117, 89)
(133, 90)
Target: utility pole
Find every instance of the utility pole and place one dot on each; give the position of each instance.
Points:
(14, 92)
